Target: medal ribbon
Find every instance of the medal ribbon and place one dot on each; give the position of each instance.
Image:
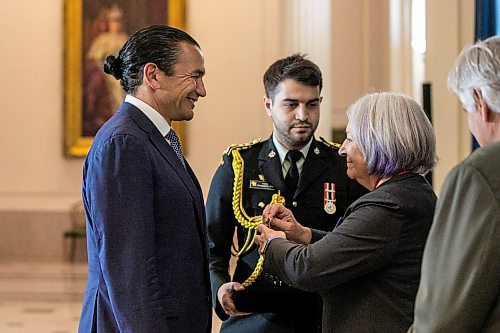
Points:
(329, 193)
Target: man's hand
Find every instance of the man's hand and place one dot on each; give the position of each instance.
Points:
(225, 297)
(278, 217)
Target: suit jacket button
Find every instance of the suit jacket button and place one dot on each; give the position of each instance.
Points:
(294, 204)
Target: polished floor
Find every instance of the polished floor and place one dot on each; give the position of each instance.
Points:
(43, 297)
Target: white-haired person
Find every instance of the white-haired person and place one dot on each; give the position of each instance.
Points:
(367, 269)
(460, 286)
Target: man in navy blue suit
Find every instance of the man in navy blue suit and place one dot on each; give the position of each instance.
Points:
(146, 234)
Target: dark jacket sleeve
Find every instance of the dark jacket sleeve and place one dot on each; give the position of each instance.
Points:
(123, 174)
(221, 227)
(365, 241)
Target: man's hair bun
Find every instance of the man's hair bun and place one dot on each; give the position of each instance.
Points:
(113, 66)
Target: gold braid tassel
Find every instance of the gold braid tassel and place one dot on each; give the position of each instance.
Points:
(242, 217)
(256, 272)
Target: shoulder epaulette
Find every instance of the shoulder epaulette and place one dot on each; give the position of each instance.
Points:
(330, 144)
(241, 146)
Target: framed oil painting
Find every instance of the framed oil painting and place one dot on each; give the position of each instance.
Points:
(93, 30)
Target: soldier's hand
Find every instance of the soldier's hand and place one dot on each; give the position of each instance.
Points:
(225, 297)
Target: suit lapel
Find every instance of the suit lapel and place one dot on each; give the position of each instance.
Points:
(199, 203)
(186, 174)
(161, 144)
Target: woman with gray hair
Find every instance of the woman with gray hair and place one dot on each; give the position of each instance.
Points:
(367, 269)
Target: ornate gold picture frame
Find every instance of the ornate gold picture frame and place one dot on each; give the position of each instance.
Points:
(94, 29)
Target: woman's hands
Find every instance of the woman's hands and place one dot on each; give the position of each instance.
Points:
(266, 235)
(279, 218)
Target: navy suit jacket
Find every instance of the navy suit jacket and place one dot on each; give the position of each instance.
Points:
(146, 234)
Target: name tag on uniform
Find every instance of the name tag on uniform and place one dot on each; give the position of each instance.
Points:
(261, 185)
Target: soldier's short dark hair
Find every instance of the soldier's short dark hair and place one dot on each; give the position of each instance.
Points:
(294, 67)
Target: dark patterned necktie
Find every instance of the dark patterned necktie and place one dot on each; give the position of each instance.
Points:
(176, 145)
(292, 176)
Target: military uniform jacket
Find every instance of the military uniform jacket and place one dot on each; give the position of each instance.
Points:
(262, 178)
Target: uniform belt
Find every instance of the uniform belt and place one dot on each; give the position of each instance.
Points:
(276, 281)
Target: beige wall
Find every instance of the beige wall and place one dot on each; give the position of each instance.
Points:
(239, 42)
(33, 172)
(240, 39)
(360, 52)
(450, 26)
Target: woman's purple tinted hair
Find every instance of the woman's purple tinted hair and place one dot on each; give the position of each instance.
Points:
(393, 133)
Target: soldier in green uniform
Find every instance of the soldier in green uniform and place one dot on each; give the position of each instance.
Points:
(307, 173)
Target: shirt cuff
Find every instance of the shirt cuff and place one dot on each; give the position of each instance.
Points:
(266, 244)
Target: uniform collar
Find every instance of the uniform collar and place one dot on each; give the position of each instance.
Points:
(282, 150)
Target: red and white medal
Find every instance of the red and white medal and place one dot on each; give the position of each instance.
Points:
(329, 198)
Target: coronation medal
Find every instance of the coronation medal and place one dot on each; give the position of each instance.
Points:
(329, 198)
